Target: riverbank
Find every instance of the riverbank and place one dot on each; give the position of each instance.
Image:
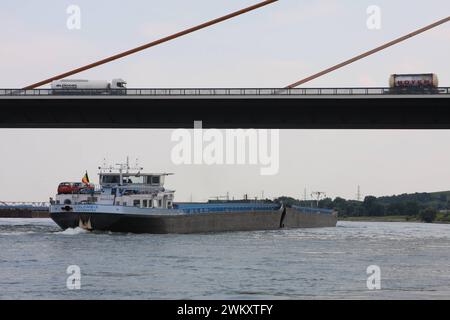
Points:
(439, 219)
(23, 214)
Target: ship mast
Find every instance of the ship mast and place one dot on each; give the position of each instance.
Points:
(121, 168)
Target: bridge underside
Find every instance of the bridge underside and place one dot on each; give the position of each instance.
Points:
(292, 113)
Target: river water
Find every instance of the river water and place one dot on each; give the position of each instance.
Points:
(328, 263)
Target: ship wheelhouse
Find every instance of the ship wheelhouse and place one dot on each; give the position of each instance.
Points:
(142, 190)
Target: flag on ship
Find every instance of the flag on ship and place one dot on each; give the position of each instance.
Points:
(85, 179)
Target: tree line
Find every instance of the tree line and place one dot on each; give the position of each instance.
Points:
(425, 206)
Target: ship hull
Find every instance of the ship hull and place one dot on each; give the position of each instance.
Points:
(180, 223)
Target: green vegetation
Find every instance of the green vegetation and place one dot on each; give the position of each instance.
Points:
(426, 207)
(427, 215)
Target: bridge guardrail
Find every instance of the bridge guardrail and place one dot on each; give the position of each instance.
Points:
(222, 92)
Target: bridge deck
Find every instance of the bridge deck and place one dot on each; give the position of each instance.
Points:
(221, 93)
(371, 108)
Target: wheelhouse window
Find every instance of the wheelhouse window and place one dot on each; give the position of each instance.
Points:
(155, 180)
(110, 179)
(134, 179)
(144, 203)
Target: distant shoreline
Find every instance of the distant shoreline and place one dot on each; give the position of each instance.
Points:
(388, 219)
(24, 214)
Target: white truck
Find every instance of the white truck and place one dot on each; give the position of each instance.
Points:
(88, 87)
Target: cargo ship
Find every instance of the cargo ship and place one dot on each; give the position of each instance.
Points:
(129, 201)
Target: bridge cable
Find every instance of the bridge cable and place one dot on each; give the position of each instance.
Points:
(151, 44)
(368, 53)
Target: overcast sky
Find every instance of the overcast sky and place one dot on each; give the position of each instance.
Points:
(271, 47)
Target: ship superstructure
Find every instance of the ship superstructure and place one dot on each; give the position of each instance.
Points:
(123, 185)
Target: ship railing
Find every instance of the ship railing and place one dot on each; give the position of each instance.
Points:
(340, 91)
(133, 188)
(314, 210)
(225, 207)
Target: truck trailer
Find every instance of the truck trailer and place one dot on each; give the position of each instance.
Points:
(88, 87)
